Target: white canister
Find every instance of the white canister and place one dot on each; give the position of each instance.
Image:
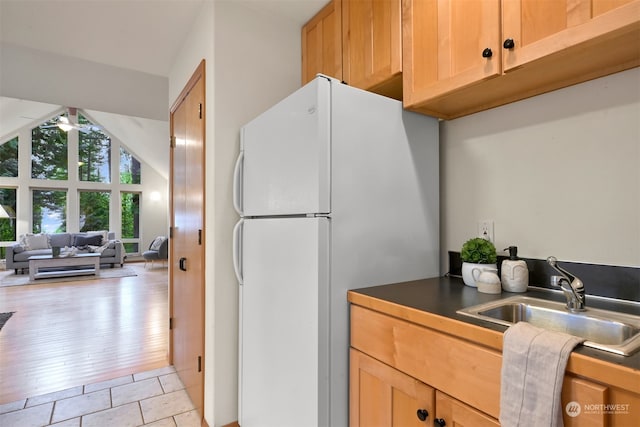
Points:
(488, 281)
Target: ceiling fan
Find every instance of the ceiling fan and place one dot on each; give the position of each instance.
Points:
(66, 125)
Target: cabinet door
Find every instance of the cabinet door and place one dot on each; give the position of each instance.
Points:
(372, 45)
(322, 43)
(445, 46)
(541, 28)
(382, 396)
(455, 413)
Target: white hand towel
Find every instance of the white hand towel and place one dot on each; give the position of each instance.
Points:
(533, 365)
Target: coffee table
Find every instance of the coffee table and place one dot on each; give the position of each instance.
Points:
(91, 262)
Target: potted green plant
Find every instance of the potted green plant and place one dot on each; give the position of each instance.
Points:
(477, 254)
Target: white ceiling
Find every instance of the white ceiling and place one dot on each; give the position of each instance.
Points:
(140, 35)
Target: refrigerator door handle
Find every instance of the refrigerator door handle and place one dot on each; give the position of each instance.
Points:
(237, 183)
(237, 250)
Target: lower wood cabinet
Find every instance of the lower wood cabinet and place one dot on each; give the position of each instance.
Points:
(405, 374)
(383, 396)
(455, 413)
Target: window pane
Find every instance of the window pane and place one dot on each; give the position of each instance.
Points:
(49, 211)
(9, 158)
(130, 215)
(94, 210)
(131, 248)
(7, 214)
(94, 153)
(129, 168)
(49, 152)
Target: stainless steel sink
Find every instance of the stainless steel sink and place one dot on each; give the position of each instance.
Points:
(602, 329)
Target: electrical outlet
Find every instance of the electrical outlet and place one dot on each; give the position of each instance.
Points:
(485, 229)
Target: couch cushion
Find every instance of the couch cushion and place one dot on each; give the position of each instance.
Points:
(84, 240)
(157, 242)
(103, 233)
(108, 253)
(60, 239)
(24, 256)
(35, 241)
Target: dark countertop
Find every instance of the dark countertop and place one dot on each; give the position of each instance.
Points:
(443, 296)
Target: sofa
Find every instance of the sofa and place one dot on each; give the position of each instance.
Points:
(110, 249)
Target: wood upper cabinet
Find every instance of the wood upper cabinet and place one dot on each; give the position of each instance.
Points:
(382, 396)
(322, 43)
(542, 28)
(448, 44)
(536, 46)
(372, 45)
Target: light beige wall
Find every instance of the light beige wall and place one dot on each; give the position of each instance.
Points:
(559, 174)
(246, 72)
(198, 45)
(253, 70)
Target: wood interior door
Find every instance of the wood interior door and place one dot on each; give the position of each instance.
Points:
(186, 272)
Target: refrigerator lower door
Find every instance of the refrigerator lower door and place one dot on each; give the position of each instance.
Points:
(284, 352)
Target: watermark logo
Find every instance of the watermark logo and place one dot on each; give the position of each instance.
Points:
(573, 409)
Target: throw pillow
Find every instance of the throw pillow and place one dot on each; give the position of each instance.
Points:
(155, 245)
(36, 241)
(95, 240)
(103, 233)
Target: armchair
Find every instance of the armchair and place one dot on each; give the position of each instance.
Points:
(158, 250)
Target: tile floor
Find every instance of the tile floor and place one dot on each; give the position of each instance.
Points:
(154, 398)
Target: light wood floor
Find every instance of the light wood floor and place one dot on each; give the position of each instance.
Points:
(67, 334)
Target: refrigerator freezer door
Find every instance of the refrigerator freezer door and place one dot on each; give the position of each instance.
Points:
(286, 155)
(283, 368)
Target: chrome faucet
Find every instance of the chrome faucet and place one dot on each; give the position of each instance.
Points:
(571, 286)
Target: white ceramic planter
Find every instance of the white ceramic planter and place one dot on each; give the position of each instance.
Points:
(471, 272)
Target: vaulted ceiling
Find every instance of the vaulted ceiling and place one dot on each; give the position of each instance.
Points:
(140, 35)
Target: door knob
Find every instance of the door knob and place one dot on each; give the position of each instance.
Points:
(422, 414)
(183, 264)
(487, 53)
(508, 44)
(439, 422)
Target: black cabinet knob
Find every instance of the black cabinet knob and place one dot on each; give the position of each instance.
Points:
(439, 422)
(508, 44)
(422, 414)
(487, 53)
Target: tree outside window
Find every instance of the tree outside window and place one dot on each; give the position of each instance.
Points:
(130, 211)
(49, 211)
(94, 153)
(49, 152)
(94, 210)
(7, 217)
(9, 158)
(129, 168)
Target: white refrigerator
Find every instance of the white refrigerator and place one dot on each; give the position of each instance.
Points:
(337, 188)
